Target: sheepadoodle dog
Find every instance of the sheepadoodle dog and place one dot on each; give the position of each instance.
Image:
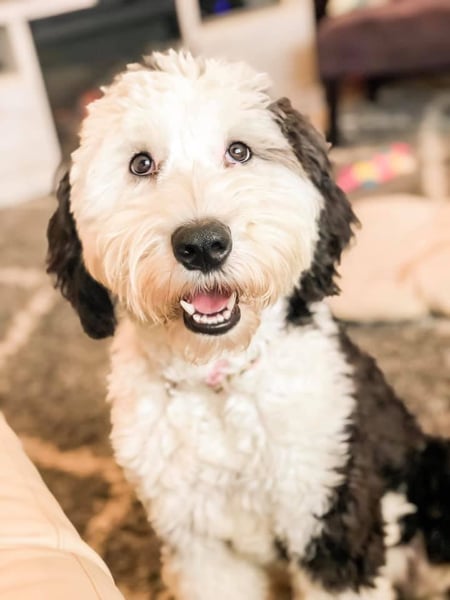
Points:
(200, 225)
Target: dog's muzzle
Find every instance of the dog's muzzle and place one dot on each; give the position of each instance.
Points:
(204, 246)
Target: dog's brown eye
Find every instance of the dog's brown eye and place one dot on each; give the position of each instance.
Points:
(238, 152)
(142, 164)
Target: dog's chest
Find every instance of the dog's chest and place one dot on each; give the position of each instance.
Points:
(218, 464)
(243, 456)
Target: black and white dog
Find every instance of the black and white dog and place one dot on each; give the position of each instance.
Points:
(201, 226)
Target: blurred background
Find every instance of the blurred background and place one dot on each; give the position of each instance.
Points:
(374, 75)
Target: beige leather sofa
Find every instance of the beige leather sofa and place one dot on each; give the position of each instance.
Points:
(42, 557)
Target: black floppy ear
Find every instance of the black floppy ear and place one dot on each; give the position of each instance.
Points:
(64, 259)
(336, 219)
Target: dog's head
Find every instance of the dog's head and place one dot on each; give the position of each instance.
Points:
(194, 201)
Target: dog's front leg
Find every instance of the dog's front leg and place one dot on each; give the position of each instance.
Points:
(210, 570)
(306, 588)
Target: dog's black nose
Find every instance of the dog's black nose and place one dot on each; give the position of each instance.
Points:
(202, 245)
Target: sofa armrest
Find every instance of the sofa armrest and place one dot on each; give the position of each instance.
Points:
(41, 554)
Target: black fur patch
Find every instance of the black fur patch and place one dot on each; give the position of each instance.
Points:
(384, 438)
(407, 459)
(89, 298)
(281, 550)
(429, 490)
(384, 423)
(336, 218)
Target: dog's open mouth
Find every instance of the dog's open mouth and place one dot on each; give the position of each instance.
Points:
(212, 313)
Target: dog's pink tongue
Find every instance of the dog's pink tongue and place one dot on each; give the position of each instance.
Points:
(209, 304)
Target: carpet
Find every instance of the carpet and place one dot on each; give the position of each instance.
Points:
(52, 390)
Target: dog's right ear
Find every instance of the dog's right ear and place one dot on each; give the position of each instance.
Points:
(89, 298)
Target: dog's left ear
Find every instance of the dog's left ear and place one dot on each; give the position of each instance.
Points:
(64, 259)
(336, 218)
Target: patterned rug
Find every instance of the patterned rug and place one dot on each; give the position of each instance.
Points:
(52, 389)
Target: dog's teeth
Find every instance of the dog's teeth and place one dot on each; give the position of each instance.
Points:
(231, 302)
(188, 307)
(209, 319)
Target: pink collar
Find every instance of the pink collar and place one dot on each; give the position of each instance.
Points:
(222, 371)
(218, 374)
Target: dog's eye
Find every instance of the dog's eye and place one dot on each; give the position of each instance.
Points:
(238, 152)
(142, 164)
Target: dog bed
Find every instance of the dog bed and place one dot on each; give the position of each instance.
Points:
(398, 267)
